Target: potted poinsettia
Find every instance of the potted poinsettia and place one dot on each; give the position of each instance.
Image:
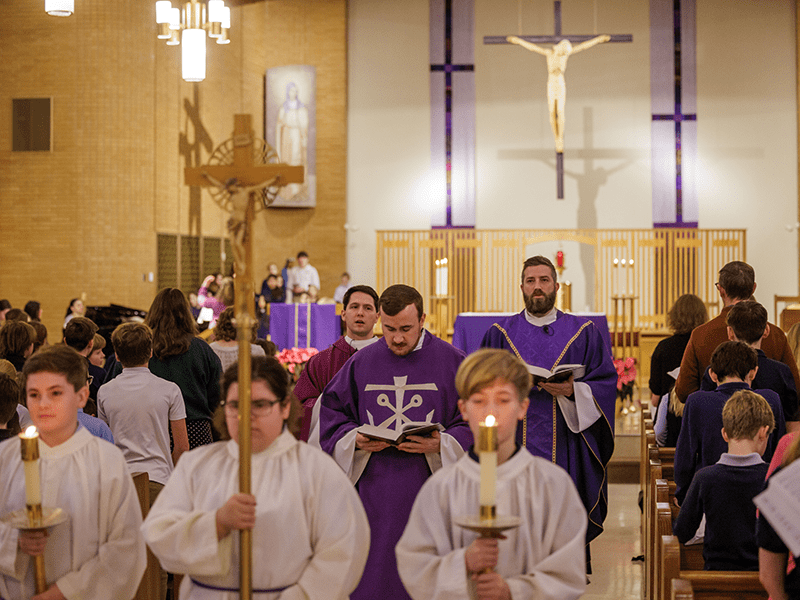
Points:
(626, 375)
(295, 359)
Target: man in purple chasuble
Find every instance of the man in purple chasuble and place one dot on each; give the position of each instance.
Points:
(409, 375)
(359, 317)
(571, 423)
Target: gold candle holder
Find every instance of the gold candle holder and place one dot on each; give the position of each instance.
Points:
(29, 446)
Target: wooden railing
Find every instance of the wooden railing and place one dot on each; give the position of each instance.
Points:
(465, 270)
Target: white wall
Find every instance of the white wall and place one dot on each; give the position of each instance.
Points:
(746, 120)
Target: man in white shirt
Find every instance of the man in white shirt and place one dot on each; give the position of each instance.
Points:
(301, 277)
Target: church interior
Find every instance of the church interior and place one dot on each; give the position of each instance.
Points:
(423, 134)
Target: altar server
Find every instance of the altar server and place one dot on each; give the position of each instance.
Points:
(310, 533)
(542, 558)
(98, 552)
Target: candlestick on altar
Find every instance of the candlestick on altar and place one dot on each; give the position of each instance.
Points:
(29, 440)
(487, 453)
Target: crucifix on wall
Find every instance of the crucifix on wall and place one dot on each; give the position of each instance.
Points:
(557, 56)
(238, 181)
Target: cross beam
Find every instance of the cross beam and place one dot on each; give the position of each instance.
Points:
(555, 39)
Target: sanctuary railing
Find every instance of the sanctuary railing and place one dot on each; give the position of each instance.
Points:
(472, 270)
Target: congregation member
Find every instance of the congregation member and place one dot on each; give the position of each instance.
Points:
(747, 322)
(737, 282)
(700, 444)
(76, 308)
(779, 580)
(359, 316)
(79, 334)
(183, 358)
(9, 400)
(34, 310)
(216, 302)
(225, 345)
(17, 340)
(41, 335)
(17, 314)
(5, 306)
(98, 355)
(723, 492)
(543, 557)
(409, 375)
(301, 278)
(309, 532)
(341, 289)
(98, 553)
(688, 312)
(569, 423)
(143, 412)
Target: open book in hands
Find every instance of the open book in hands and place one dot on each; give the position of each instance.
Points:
(384, 434)
(558, 375)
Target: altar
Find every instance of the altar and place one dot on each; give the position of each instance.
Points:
(304, 325)
(470, 327)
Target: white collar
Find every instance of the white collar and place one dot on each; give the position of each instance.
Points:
(740, 460)
(359, 344)
(550, 317)
(421, 339)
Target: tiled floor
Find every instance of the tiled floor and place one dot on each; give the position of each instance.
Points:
(615, 576)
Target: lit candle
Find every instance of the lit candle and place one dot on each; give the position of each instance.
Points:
(30, 459)
(487, 452)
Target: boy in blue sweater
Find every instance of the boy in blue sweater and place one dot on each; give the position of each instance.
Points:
(700, 444)
(724, 491)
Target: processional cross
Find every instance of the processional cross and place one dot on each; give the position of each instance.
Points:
(556, 66)
(238, 179)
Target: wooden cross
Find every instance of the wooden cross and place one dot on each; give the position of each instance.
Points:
(555, 39)
(241, 180)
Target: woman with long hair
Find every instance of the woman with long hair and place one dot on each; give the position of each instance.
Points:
(76, 308)
(183, 358)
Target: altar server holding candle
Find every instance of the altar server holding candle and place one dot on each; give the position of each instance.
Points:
(544, 557)
(98, 553)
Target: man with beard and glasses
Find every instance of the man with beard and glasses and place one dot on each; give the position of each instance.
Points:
(569, 423)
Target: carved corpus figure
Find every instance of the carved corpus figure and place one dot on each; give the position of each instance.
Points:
(556, 86)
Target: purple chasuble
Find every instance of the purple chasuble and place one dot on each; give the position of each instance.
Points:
(377, 387)
(318, 372)
(568, 340)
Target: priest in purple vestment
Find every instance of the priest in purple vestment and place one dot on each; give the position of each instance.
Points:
(409, 375)
(359, 317)
(570, 423)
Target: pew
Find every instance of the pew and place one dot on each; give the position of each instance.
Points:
(705, 585)
(149, 586)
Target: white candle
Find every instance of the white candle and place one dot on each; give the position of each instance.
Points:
(30, 461)
(487, 452)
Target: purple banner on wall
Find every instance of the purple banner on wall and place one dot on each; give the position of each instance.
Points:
(452, 112)
(673, 101)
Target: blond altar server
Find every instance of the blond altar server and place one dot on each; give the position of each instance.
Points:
(310, 532)
(544, 557)
(98, 552)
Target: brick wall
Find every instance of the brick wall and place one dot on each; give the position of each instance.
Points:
(83, 219)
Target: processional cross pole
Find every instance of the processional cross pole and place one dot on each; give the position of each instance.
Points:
(241, 180)
(556, 66)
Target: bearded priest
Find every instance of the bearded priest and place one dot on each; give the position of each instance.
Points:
(570, 423)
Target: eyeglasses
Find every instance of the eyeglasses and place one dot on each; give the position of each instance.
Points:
(259, 408)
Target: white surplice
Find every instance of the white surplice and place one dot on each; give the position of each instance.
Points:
(98, 553)
(543, 558)
(311, 534)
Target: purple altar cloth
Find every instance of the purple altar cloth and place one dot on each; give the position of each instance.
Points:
(318, 330)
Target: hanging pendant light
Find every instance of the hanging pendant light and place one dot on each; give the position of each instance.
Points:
(190, 27)
(59, 8)
(193, 54)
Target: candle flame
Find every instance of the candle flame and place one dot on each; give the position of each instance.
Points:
(490, 420)
(30, 432)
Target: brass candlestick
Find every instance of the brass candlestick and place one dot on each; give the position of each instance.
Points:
(29, 443)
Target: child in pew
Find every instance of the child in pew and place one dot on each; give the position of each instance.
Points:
(309, 530)
(700, 444)
(98, 553)
(724, 491)
(545, 556)
(747, 322)
(777, 567)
